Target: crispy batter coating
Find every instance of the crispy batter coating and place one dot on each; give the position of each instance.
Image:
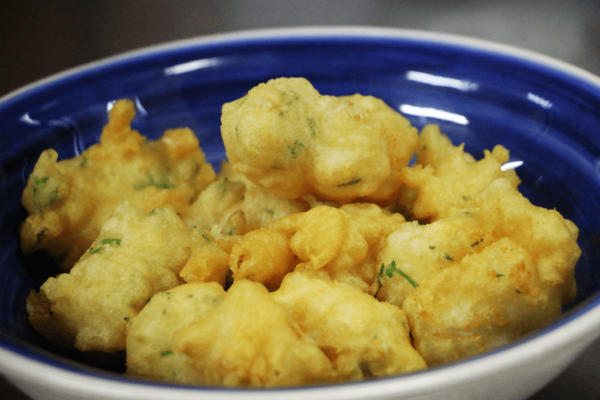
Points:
(232, 192)
(447, 178)
(262, 255)
(69, 200)
(248, 341)
(209, 261)
(362, 336)
(285, 136)
(136, 255)
(150, 334)
(420, 251)
(482, 277)
(354, 234)
(490, 299)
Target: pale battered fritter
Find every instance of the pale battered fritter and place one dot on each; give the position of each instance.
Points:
(482, 277)
(248, 341)
(232, 192)
(447, 178)
(362, 337)
(135, 256)
(150, 334)
(284, 136)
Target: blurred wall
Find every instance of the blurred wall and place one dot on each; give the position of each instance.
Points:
(39, 38)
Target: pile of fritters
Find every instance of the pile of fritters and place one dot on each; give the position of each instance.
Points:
(317, 254)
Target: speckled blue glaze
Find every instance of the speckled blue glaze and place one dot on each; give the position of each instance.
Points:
(547, 117)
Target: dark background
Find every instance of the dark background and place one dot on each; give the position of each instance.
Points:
(42, 37)
(39, 38)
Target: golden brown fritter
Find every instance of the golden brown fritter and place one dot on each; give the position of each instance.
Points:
(69, 200)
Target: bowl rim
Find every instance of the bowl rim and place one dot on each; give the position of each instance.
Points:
(582, 324)
(354, 32)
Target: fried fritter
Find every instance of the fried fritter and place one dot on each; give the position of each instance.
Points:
(248, 341)
(362, 337)
(343, 241)
(135, 256)
(69, 200)
(447, 178)
(150, 334)
(482, 277)
(231, 193)
(284, 136)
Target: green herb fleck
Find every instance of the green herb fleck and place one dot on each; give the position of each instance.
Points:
(161, 183)
(205, 236)
(166, 353)
(352, 182)
(518, 291)
(44, 192)
(296, 149)
(98, 250)
(477, 242)
(268, 210)
(447, 257)
(83, 162)
(500, 275)
(311, 125)
(390, 272)
(111, 241)
(432, 247)
(40, 181)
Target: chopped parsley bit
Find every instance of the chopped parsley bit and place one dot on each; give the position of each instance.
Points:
(161, 183)
(477, 242)
(38, 181)
(432, 247)
(190, 295)
(311, 125)
(111, 241)
(204, 236)
(352, 182)
(126, 319)
(390, 272)
(44, 194)
(447, 257)
(83, 161)
(295, 149)
(108, 241)
(500, 275)
(518, 291)
(166, 353)
(269, 211)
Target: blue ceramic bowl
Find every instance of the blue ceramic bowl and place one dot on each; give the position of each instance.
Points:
(545, 112)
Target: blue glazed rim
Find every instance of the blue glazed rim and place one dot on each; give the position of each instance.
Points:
(583, 320)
